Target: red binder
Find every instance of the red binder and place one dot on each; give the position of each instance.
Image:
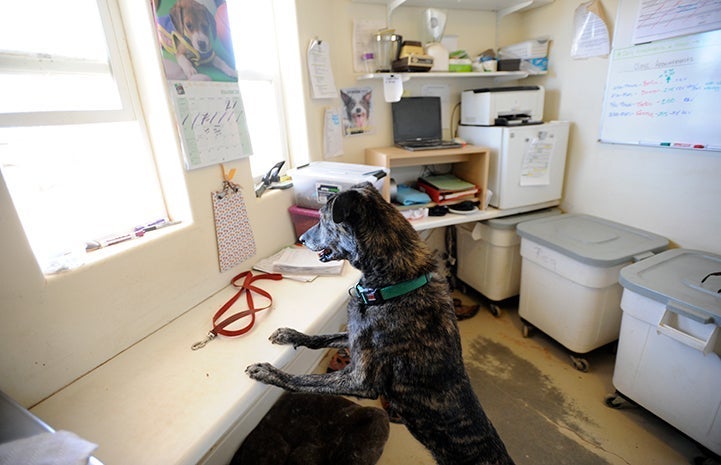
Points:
(441, 197)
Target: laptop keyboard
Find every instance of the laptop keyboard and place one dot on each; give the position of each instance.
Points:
(430, 144)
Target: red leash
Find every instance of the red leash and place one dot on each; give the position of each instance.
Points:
(247, 287)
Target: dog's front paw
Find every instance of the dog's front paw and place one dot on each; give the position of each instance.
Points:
(287, 336)
(265, 373)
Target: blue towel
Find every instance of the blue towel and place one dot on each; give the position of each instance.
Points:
(408, 196)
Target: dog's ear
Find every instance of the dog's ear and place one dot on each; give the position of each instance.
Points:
(211, 22)
(176, 17)
(346, 98)
(344, 205)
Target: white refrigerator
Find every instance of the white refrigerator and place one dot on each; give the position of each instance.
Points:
(527, 163)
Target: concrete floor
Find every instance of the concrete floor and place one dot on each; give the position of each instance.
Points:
(546, 411)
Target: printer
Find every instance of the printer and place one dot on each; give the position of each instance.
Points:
(502, 106)
(527, 157)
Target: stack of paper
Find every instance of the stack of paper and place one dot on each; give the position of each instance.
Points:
(300, 260)
(299, 263)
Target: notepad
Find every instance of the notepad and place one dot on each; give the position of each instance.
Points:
(448, 182)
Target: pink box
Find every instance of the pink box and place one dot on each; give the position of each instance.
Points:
(303, 219)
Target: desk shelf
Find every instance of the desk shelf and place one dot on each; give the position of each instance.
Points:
(469, 163)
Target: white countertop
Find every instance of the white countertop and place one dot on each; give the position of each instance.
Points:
(159, 402)
(476, 215)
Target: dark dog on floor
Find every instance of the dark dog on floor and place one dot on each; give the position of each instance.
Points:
(402, 332)
(315, 429)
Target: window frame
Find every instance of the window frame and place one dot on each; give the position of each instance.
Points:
(137, 67)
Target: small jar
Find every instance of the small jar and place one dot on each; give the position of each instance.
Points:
(369, 62)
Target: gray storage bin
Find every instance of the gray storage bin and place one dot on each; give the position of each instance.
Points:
(670, 342)
(569, 278)
(489, 254)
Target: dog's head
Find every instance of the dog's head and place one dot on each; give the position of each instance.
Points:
(359, 225)
(195, 22)
(357, 108)
(333, 237)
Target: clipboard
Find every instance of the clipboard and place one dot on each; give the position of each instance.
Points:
(234, 233)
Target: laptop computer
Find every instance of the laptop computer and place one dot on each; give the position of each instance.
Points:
(417, 124)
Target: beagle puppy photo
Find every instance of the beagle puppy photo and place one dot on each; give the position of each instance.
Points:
(188, 34)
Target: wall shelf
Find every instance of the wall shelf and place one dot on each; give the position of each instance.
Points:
(498, 76)
(500, 7)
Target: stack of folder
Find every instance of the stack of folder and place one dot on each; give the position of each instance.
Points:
(447, 189)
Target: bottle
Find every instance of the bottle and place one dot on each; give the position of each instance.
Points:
(369, 62)
(439, 54)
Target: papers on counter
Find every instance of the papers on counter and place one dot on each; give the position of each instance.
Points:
(300, 264)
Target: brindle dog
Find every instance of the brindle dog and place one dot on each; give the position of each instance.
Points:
(405, 348)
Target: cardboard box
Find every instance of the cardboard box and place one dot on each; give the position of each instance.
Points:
(460, 65)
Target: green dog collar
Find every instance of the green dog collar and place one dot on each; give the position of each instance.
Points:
(378, 296)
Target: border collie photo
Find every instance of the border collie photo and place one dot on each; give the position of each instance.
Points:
(357, 113)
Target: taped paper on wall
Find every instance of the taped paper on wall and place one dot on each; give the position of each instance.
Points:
(322, 82)
(332, 134)
(591, 38)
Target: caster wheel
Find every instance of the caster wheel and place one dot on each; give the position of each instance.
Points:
(618, 401)
(526, 330)
(580, 363)
(495, 310)
(614, 401)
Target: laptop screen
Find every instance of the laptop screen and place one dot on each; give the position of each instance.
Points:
(417, 118)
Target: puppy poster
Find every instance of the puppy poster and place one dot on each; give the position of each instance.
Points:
(357, 110)
(195, 41)
(197, 51)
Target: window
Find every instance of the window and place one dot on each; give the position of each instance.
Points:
(258, 71)
(265, 39)
(75, 151)
(73, 146)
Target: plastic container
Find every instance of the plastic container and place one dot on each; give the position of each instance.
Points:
(315, 182)
(670, 343)
(535, 48)
(569, 276)
(533, 55)
(303, 219)
(489, 254)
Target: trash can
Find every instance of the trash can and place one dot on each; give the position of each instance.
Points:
(670, 342)
(489, 254)
(569, 277)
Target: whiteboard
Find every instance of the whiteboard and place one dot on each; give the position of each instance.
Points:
(665, 93)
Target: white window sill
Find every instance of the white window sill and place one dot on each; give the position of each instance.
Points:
(161, 402)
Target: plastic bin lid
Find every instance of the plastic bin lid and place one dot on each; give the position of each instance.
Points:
(343, 171)
(676, 278)
(591, 240)
(510, 222)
